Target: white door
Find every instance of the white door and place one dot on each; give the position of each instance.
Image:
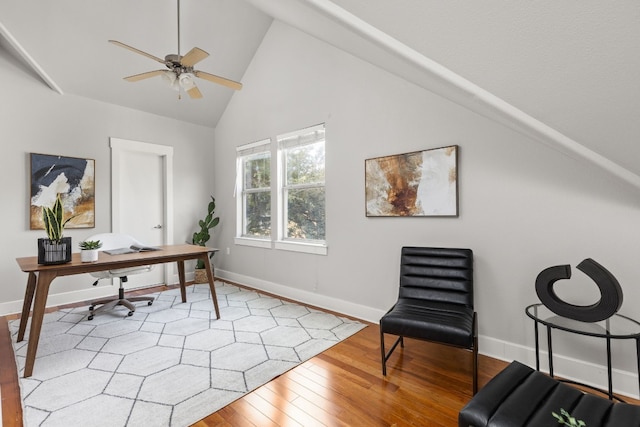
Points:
(141, 196)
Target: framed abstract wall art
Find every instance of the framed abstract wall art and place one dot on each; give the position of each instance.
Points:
(422, 183)
(73, 178)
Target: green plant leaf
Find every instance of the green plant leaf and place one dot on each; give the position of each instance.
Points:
(90, 244)
(566, 419)
(52, 219)
(202, 237)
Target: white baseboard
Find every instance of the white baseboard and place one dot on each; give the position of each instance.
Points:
(89, 293)
(624, 383)
(53, 300)
(311, 298)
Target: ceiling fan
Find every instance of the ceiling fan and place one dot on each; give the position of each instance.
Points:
(180, 72)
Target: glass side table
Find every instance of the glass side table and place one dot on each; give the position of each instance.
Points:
(615, 327)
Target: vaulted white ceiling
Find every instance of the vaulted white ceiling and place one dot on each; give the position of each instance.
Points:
(68, 40)
(573, 65)
(565, 73)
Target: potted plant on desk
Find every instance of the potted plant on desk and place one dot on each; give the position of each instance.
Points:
(56, 249)
(201, 237)
(89, 250)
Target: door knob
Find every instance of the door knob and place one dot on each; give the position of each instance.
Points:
(158, 226)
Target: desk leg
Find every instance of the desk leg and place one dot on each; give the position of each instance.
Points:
(42, 290)
(212, 286)
(550, 350)
(26, 304)
(181, 277)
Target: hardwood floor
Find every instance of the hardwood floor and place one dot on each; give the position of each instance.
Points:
(426, 385)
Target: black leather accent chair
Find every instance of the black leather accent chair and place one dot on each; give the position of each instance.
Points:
(435, 302)
(522, 397)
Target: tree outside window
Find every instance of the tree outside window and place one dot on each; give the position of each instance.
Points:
(255, 176)
(303, 184)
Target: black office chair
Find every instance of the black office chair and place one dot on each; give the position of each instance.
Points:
(435, 302)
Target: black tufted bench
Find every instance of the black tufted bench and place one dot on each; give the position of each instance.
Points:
(522, 397)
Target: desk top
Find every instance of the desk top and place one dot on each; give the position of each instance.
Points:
(166, 253)
(617, 326)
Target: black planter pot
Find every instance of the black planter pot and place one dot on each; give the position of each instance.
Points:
(54, 252)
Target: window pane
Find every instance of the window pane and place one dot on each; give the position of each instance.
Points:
(305, 164)
(258, 214)
(257, 171)
(306, 216)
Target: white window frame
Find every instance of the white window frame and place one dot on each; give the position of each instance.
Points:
(284, 142)
(242, 152)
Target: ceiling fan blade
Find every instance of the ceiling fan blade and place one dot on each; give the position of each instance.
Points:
(194, 93)
(143, 76)
(194, 56)
(133, 49)
(218, 79)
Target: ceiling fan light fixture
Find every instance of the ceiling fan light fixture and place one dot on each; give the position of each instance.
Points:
(169, 77)
(186, 81)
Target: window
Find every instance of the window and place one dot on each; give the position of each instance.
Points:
(299, 190)
(301, 201)
(254, 182)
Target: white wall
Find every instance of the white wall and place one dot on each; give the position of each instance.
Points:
(523, 206)
(33, 118)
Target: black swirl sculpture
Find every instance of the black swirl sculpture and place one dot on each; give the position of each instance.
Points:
(610, 292)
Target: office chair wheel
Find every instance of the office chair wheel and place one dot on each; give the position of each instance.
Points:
(90, 317)
(150, 303)
(130, 313)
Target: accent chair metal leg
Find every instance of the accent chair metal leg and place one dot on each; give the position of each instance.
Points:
(384, 359)
(475, 365)
(386, 356)
(475, 353)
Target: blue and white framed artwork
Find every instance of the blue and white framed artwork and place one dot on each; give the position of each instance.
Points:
(71, 177)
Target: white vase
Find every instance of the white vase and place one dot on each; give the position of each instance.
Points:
(89, 255)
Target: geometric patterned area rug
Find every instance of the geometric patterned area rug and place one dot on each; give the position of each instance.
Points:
(171, 363)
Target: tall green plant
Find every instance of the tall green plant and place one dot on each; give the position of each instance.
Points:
(201, 237)
(53, 222)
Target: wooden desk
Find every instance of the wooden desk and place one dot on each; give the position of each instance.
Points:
(41, 276)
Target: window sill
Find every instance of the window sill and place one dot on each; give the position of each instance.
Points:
(256, 243)
(309, 248)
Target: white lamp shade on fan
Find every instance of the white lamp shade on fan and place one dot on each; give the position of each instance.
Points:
(170, 78)
(186, 81)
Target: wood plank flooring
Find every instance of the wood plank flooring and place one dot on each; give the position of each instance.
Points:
(426, 385)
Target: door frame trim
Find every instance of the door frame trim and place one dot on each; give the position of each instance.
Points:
(119, 147)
